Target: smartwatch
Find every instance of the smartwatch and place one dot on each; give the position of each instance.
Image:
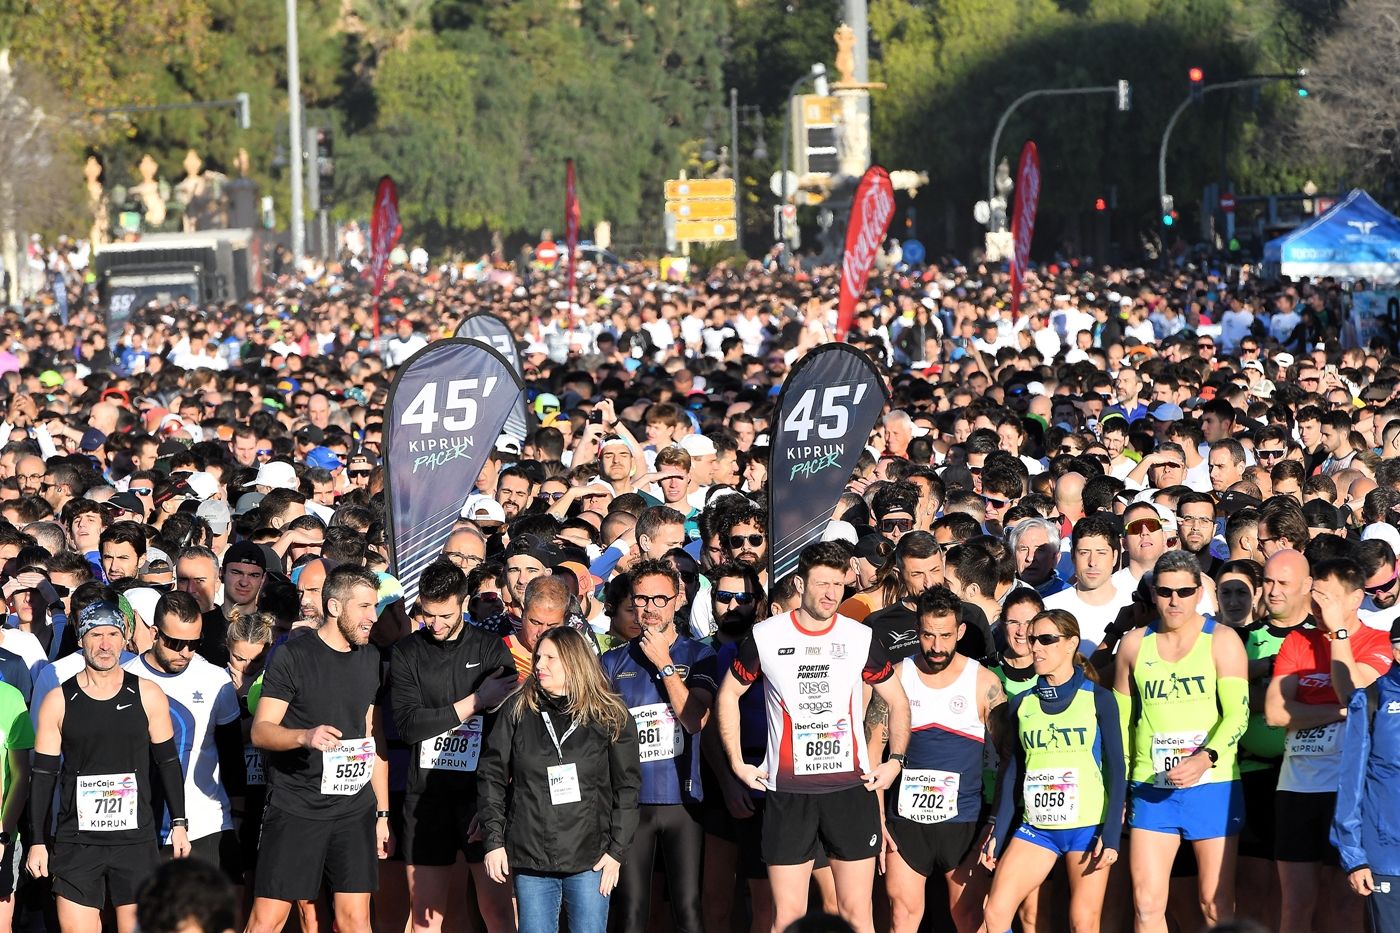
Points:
(1212, 754)
(665, 672)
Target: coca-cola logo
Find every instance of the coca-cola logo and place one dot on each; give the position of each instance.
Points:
(872, 212)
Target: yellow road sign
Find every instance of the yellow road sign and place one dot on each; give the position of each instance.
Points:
(705, 231)
(701, 210)
(690, 189)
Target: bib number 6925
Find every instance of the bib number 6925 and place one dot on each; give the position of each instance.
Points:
(458, 405)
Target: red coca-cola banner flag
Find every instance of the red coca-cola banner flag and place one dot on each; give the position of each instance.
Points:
(384, 232)
(571, 215)
(865, 231)
(1023, 221)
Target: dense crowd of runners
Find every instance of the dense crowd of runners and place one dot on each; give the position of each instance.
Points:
(1100, 635)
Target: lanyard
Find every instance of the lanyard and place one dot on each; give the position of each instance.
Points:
(553, 737)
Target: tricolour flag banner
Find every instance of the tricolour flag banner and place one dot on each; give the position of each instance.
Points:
(485, 327)
(384, 232)
(446, 408)
(871, 211)
(826, 412)
(1023, 221)
(571, 216)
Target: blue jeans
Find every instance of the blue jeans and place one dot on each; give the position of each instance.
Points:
(538, 896)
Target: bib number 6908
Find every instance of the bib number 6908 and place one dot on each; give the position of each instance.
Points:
(459, 405)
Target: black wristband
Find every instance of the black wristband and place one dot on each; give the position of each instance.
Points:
(381, 814)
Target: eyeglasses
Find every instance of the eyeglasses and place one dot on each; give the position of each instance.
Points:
(1046, 640)
(896, 524)
(1264, 541)
(1140, 526)
(550, 496)
(1167, 592)
(656, 602)
(737, 541)
(1195, 520)
(141, 490)
(725, 596)
(1273, 454)
(462, 560)
(178, 644)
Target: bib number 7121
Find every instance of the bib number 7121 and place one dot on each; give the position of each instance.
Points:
(458, 409)
(832, 421)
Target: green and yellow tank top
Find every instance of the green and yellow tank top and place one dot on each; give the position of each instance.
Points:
(1177, 709)
(1063, 783)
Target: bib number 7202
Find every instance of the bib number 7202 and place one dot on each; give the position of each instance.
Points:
(458, 406)
(832, 421)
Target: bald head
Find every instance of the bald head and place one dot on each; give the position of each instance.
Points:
(1287, 587)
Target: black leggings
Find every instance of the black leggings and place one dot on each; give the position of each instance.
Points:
(677, 831)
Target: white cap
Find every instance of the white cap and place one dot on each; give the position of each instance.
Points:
(698, 445)
(1385, 532)
(508, 444)
(277, 474)
(537, 347)
(142, 600)
(837, 530)
(482, 508)
(204, 484)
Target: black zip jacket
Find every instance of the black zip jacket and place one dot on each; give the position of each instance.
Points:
(514, 801)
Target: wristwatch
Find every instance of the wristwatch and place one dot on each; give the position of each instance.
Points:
(1341, 634)
(665, 672)
(1212, 754)
(900, 759)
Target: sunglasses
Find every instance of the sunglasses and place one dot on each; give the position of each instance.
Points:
(1380, 588)
(1272, 454)
(356, 474)
(1167, 592)
(1140, 526)
(264, 451)
(1046, 640)
(896, 524)
(550, 496)
(141, 490)
(656, 602)
(737, 541)
(725, 596)
(178, 644)
(991, 502)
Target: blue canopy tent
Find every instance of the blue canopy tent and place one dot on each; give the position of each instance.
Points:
(1355, 239)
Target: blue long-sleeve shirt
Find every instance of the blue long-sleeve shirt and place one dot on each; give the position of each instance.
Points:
(1108, 749)
(1366, 824)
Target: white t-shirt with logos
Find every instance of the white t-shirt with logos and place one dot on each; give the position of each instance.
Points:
(1093, 620)
(201, 697)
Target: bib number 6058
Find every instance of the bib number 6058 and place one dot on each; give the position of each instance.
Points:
(459, 405)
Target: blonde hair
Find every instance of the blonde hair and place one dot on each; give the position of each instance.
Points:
(254, 627)
(590, 702)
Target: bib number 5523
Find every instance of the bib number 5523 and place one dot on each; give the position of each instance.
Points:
(456, 409)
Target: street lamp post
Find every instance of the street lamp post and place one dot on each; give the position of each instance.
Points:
(294, 132)
(1122, 90)
(760, 153)
(818, 74)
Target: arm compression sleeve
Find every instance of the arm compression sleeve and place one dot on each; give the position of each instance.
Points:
(41, 788)
(172, 778)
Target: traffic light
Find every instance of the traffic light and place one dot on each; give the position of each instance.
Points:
(325, 164)
(1197, 78)
(1100, 204)
(1169, 219)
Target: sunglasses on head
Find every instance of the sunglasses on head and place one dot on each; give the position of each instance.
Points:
(896, 524)
(1047, 640)
(737, 541)
(726, 596)
(1167, 592)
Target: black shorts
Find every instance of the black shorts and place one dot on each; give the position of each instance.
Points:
(845, 822)
(1257, 836)
(298, 855)
(435, 830)
(221, 849)
(932, 848)
(1301, 825)
(90, 875)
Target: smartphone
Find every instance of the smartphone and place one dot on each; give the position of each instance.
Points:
(596, 417)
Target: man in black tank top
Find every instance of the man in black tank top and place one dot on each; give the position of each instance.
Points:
(327, 815)
(97, 736)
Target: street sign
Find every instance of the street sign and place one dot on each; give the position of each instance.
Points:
(775, 183)
(701, 210)
(1227, 202)
(677, 190)
(706, 231)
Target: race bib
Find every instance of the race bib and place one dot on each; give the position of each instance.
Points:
(457, 749)
(563, 784)
(659, 736)
(928, 795)
(107, 802)
(821, 748)
(254, 765)
(1170, 749)
(346, 767)
(1052, 797)
(1315, 742)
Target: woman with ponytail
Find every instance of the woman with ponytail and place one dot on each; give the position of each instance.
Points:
(1068, 778)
